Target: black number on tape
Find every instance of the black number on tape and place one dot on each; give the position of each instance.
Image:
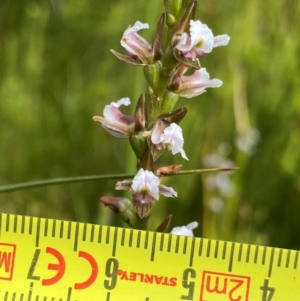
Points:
(268, 292)
(111, 271)
(188, 274)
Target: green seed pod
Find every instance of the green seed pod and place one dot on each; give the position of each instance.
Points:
(152, 73)
(169, 101)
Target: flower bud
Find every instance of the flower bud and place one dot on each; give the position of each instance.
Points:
(173, 9)
(171, 20)
(122, 206)
(173, 6)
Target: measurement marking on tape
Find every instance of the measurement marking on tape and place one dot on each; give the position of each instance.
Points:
(192, 252)
(46, 227)
(271, 262)
(146, 240)
(7, 224)
(161, 246)
(296, 260)
(69, 294)
(30, 291)
(115, 243)
(288, 259)
(256, 254)
(231, 257)
(84, 232)
(248, 253)
(76, 237)
(170, 243)
(37, 235)
(208, 248)
(177, 244)
(130, 238)
(69, 230)
(61, 231)
(92, 233)
(23, 225)
(224, 250)
(216, 249)
(264, 256)
(30, 224)
(138, 240)
(53, 228)
(107, 235)
(69, 261)
(99, 234)
(279, 258)
(15, 223)
(185, 245)
(153, 247)
(240, 252)
(123, 237)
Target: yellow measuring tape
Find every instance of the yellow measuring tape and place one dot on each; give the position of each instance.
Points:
(54, 260)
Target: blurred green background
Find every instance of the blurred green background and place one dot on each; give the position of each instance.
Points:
(56, 72)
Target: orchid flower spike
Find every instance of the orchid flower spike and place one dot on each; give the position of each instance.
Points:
(185, 230)
(199, 41)
(168, 136)
(114, 121)
(146, 187)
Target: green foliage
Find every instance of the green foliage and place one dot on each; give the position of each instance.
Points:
(56, 72)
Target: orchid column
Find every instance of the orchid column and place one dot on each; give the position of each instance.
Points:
(154, 127)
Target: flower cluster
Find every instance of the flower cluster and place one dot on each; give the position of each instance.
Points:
(172, 71)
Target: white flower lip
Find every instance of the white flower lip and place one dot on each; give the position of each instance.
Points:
(146, 187)
(169, 137)
(185, 230)
(135, 28)
(199, 41)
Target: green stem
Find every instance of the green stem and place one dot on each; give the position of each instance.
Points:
(142, 224)
(35, 184)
